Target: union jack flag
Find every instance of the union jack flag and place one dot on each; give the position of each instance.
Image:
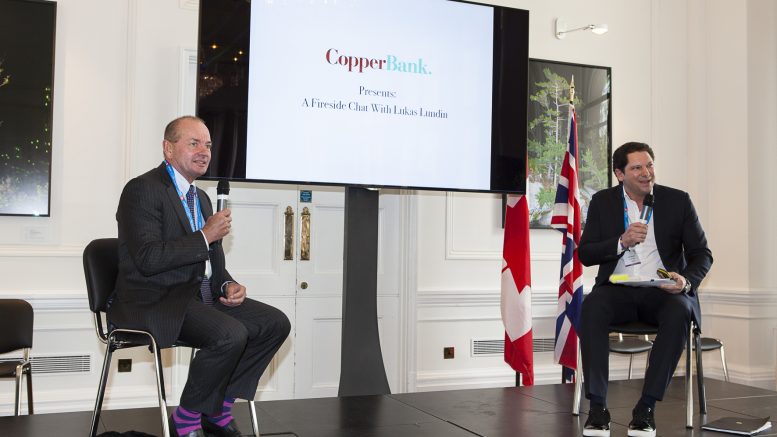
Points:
(516, 289)
(566, 218)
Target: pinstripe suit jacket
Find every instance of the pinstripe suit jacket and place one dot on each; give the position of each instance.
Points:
(161, 261)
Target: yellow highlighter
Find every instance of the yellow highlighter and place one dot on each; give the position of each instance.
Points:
(619, 278)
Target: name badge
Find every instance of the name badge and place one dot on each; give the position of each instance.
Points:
(630, 258)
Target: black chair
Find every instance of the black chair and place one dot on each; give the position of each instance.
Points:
(631, 345)
(101, 267)
(16, 326)
(635, 345)
(640, 328)
(711, 344)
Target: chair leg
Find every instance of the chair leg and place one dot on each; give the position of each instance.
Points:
(29, 389)
(160, 384)
(17, 406)
(631, 360)
(723, 360)
(254, 417)
(98, 404)
(688, 381)
(700, 375)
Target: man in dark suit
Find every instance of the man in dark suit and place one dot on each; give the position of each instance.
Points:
(173, 282)
(669, 238)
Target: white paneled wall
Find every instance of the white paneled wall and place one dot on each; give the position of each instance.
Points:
(694, 78)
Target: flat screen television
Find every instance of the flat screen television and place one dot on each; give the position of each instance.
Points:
(418, 94)
(27, 47)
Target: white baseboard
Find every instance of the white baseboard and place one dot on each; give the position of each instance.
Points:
(144, 396)
(63, 401)
(504, 376)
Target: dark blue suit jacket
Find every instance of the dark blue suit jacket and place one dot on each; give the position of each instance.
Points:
(680, 238)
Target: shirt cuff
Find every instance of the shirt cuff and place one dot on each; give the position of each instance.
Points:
(621, 249)
(205, 238)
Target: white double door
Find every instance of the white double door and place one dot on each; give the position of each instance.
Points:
(289, 254)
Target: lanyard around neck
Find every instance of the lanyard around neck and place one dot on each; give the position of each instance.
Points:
(626, 220)
(200, 220)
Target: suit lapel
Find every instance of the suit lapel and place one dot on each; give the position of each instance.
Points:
(657, 224)
(205, 206)
(617, 201)
(172, 196)
(660, 220)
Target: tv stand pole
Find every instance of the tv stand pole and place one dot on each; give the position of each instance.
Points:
(361, 361)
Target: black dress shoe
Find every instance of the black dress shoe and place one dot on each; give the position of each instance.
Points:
(598, 422)
(214, 430)
(196, 433)
(643, 422)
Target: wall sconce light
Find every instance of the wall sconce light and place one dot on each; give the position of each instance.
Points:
(561, 28)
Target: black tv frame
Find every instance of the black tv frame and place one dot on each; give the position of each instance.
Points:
(224, 29)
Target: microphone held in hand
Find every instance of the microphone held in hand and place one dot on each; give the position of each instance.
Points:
(222, 195)
(647, 208)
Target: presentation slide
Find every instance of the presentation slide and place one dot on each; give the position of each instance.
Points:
(371, 92)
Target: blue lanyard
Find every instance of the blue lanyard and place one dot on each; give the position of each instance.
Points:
(626, 214)
(182, 197)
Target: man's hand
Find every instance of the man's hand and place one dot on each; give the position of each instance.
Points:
(679, 283)
(635, 234)
(235, 292)
(218, 226)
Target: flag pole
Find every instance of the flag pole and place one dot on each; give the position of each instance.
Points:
(578, 382)
(577, 343)
(571, 102)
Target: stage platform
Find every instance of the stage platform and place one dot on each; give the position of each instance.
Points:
(538, 411)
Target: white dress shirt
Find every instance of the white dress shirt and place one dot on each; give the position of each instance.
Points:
(647, 251)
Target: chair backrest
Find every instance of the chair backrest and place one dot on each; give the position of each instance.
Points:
(16, 317)
(101, 267)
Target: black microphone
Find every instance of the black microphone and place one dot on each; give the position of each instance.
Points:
(222, 195)
(647, 207)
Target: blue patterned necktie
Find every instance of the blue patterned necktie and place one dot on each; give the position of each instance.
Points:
(207, 297)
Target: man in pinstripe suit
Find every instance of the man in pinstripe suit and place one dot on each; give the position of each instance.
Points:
(173, 282)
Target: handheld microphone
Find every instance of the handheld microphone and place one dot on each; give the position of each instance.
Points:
(222, 195)
(647, 207)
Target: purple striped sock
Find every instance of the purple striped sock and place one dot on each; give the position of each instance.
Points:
(225, 417)
(186, 421)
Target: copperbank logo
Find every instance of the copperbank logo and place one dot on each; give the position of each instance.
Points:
(362, 64)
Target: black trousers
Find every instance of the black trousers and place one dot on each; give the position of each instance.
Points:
(235, 346)
(610, 304)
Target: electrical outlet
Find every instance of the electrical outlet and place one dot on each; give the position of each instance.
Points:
(125, 365)
(448, 353)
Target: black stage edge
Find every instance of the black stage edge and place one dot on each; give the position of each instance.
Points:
(361, 361)
(537, 411)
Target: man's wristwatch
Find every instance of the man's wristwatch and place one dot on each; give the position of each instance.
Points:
(687, 287)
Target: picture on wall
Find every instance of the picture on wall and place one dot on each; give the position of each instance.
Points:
(27, 29)
(548, 127)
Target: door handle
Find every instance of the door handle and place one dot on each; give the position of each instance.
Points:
(288, 234)
(304, 252)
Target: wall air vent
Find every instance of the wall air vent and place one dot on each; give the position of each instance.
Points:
(489, 348)
(58, 363)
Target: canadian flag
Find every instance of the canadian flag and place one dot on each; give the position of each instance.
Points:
(516, 289)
